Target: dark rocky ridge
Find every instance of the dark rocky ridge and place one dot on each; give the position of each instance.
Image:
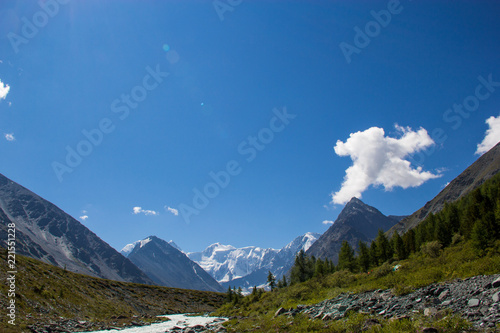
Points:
(475, 298)
(357, 222)
(45, 232)
(481, 170)
(169, 267)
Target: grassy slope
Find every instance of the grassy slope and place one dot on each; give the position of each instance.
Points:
(46, 291)
(458, 261)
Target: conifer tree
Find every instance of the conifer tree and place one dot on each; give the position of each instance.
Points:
(271, 280)
(346, 257)
(398, 246)
(363, 256)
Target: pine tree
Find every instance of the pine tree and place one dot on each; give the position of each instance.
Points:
(363, 256)
(398, 246)
(384, 249)
(409, 242)
(271, 280)
(229, 295)
(320, 268)
(346, 257)
(374, 254)
(284, 282)
(298, 271)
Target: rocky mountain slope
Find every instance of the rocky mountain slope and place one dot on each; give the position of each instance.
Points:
(45, 232)
(356, 222)
(483, 169)
(476, 298)
(167, 266)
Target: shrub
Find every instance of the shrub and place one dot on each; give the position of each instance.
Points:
(431, 249)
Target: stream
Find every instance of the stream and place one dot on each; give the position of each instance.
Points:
(176, 320)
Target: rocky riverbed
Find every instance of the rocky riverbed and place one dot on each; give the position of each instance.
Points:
(476, 299)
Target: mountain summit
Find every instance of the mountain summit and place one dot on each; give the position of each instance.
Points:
(167, 266)
(357, 222)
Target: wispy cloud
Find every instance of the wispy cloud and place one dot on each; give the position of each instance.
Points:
(326, 222)
(492, 136)
(4, 90)
(139, 210)
(9, 136)
(380, 160)
(172, 210)
(84, 216)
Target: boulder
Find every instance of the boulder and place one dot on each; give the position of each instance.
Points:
(473, 302)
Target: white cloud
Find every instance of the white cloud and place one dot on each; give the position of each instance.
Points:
(139, 210)
(9, 136)
(4, 90)
(380, 160)
(84, 217)
(172, 210)
(492, 136)
(326, 222)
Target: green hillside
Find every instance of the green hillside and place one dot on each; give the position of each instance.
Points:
(45, 292)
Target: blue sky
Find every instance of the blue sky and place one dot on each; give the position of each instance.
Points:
(152, 100)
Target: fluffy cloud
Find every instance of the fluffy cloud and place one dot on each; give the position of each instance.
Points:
(172, 210)
(4, 90)
(9, 137)
(380, 160)
(492, 136)
(139, 210)
(326, 222)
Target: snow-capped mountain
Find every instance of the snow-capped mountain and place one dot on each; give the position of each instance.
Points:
(167, 266)
(248, 266)
(127, 249)
(226, 263)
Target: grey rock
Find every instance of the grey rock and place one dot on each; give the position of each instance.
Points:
(473, 302)
(496, 283)
(430, 312)
(496, 297)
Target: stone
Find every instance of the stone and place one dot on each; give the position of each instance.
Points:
(473, 302)
(496, 297)
(443, 295)
(280, 311)
(430, 312)
(496, 283)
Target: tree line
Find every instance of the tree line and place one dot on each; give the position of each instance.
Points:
(474, 218)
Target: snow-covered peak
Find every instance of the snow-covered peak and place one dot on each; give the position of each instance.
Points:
(127, 249)
(303, 242)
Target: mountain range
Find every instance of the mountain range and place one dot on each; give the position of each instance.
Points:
(46, 233)
(248, 266)
(168, 266)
